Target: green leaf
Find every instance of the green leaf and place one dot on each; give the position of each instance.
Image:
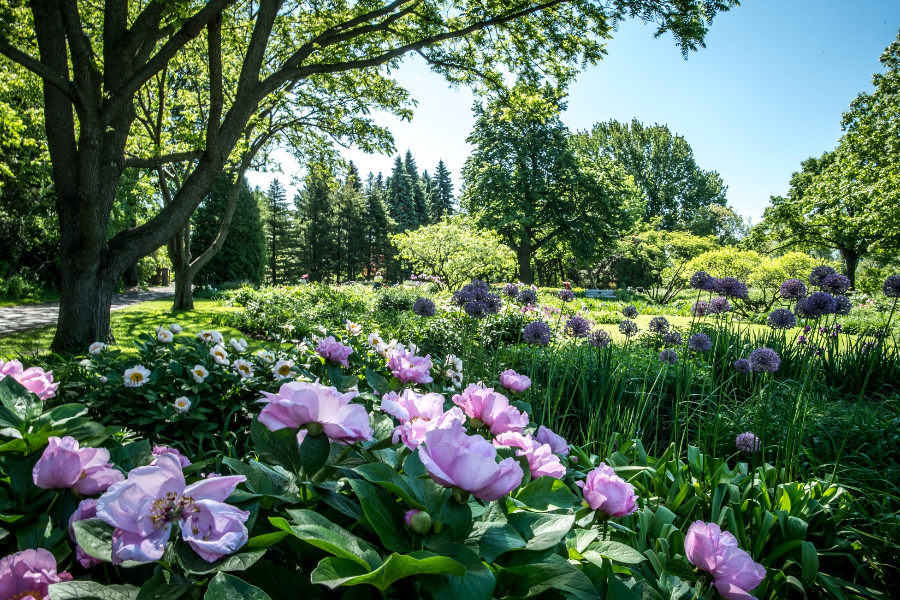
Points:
(194, 563)
(541, 530)
(281, 583)
(458, 517)
(164, 586)
(492, 538)
(95, 538)
(412, 491)
(616, 551)
(617, 590)
(22, 407)
(531, 575)
(681, 570)
(314, 453)
(74, 590)
(34, 535)
(280, 447)
(228, 587)
(318, 531)
(546, 492)
(382, 426)
(334, 572)
(810, 562)
(266, 540)
(383, 514)
(377, 382)
(477, 584)
(338, 501)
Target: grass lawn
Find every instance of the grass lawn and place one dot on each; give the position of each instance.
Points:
(127, 324)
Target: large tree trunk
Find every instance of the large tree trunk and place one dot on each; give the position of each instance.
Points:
(131, 278)
(523, 256)
(184, 282)
(851, 261)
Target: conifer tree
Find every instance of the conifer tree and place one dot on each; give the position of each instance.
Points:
(350, 230)
(278, 226)
(319, 253)
(427, 184)
(354, 176)
(442, 200)
(377, 248)
(401, 199)
(421, 203)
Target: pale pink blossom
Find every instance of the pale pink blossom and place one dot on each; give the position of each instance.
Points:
(484, 405)
(514, 382)
(541, 459)
(734, 571)
(299, 404)
(160, 450)
(64, 465)
(333, 350)
(417, 415)
(143, 508)
(607, 492)
(556, 442)
(468, 463)
(27, 575)
(407, 367)
(34, 379)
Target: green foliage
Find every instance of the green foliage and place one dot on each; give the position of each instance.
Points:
(277, 220)
(457, 251)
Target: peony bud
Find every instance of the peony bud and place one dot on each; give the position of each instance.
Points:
(418, 520)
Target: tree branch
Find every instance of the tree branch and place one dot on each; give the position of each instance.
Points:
(156, 162)
(39, 69)
(214, 43)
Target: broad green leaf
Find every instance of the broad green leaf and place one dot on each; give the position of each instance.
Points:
(164, 586)
(75, 590)
(377, 382)
(281, 583)
(490, 539)
(458, 517)
(316, 530)
(334, 572)
(194, 563)
(477, 584)
(228, 587)
(541, 530)
(338, 501)
(314, 453)
(383, 514)
(616, 551)
(681, 570)
(280, 447)
(382, 425)
(536, 574)
(35, 535)
(412, 491)
(95, 538)
(265, 540)
(22, 407)
(546, 492)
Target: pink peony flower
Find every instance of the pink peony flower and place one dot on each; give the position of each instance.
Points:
(468, 463)
(417, 414)
(607, 492)
(87, 509)
(556, 442)
(407, 367)
(64, 465)
(34, 379)
(143, 507)
(734, 572)
(514, 382)
(26, 575)
(160, 450)
(483, 405)
(333, 350)
(541, 459)
(297, 404)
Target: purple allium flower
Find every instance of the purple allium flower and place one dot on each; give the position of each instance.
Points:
(536, 332)
(699, 342)
(891, 287)
(493, 303)
(747, 442)
(781, 318)
(719, 305)
(527, 296)
(701, 280)
(672, 338)
(700, 308)
(835, 284)
(577, 327)
(658, 325)
(819, 274)
(730, 287)
(566, 295)
(764, 360)
(423, 307)
(628, 328)
(599, 339)
(816, 305)
(462, 297)
(476, 309)
(668, 356)
(742, 365)
(843, 305)
(510, 290)
(629, 312)
(792, 289)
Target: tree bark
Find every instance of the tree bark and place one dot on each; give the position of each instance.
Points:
(523, 256)
(184, 282)
(131, 278)
(851, 262)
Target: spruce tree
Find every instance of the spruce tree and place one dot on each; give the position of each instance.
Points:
(278, 225)
(319, 253)
(419, 197)
(354, 176)
(401, 198)
(350, 230)
(377, 247)
(442, 200)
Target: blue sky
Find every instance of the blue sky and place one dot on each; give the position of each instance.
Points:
(766, 93)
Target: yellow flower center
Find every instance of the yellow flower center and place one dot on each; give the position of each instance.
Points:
(284, 370)
(33, 593)
(136, 377)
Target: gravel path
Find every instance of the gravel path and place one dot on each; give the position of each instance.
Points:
(30, 316)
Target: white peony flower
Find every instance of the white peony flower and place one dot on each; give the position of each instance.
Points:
(457, 379)
(454, 362)
(353, 328)
(238, 345)
(265, 356)
(219, 355)
(103, 379)
(210, 337)
(96, 348)
(375, 341)
(322, 329)
(175, 328)
(282, 369)
(182, 405)
(136, 376)
(199, 373)
(164, 335)
(243, 367)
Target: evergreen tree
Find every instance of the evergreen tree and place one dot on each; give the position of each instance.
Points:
(442, 200)
(278, 229)
(354, 176)
(401, 198)
(419, 198)
(377, 247)
(427, 184)
(318, 252)
(243, 255)
(350, 230)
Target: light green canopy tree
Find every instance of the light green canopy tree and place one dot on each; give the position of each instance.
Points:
(94, 58)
